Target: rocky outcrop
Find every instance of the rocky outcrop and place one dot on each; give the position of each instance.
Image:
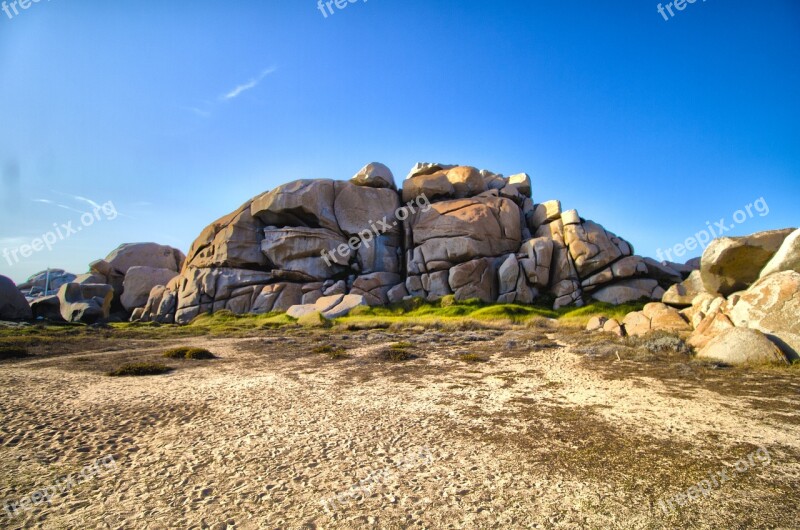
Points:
(731, 264)
(45, 283)
(13, 305)
(138, 283)
(87, 303)
(761, 266)
(787, 258)
(451, 230)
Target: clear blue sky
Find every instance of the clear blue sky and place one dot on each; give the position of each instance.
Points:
(650, 127)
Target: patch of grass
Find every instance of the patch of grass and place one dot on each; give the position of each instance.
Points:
(401, 345)
(140, 370)
(473, 358)
(184, 352)
(397, 356)
(580, 316)
(333, 352)
(12, 352)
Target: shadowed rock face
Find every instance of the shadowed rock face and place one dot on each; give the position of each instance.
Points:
(449, 230)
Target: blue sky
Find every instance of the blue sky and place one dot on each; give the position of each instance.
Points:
(650, 127)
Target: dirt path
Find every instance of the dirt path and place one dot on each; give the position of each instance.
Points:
(537, 437)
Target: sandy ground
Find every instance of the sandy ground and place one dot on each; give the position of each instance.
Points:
(550, 432)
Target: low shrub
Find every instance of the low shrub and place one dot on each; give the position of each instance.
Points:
(195, 354)
(472, 358)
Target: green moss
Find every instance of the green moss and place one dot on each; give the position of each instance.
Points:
(140, 369)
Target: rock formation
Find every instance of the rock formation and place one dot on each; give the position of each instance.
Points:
(13, 305)
(449, 230)
(745, 283)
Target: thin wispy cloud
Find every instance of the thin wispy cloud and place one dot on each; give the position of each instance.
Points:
(198, 112)
(239, 90)
(53, 203)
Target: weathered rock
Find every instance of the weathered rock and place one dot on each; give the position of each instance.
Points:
(613, 326)
(47, 308)
(731, 264)
(13, 305)
(636, 324)
(375, 287)
(627, 267)
(330, 307)
(738, 346)
(85, 303)
(665, 318)
(544, 213)
(596, 323)
(459, 182)
(298, 252)
(629, 291)
(508, 274)
(210, 290)
(138, 283)
(665, 274)
(711, 326)
(522, 182)
(301, 204)
(683, 294)
(397, 293)
(234, 241)
(593, 248)
(474, 279)
(453, 232)
(436, 285)
(161, 306)
(46, 282)
(772, 306)
(91, 277)
(787, 258)
(375, 175)
(143, 255)
(536, 265)
(277, 297)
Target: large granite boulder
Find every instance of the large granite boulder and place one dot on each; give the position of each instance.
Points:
(772, 306)
(731, 264)
(741, 346)
(375, 175)
(86, 303)
(453, 232)
(13, 305)
(683, 294)
(138, 283)
(787, 258)
(47, 308)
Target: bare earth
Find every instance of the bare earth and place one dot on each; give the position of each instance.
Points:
(555, 430)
